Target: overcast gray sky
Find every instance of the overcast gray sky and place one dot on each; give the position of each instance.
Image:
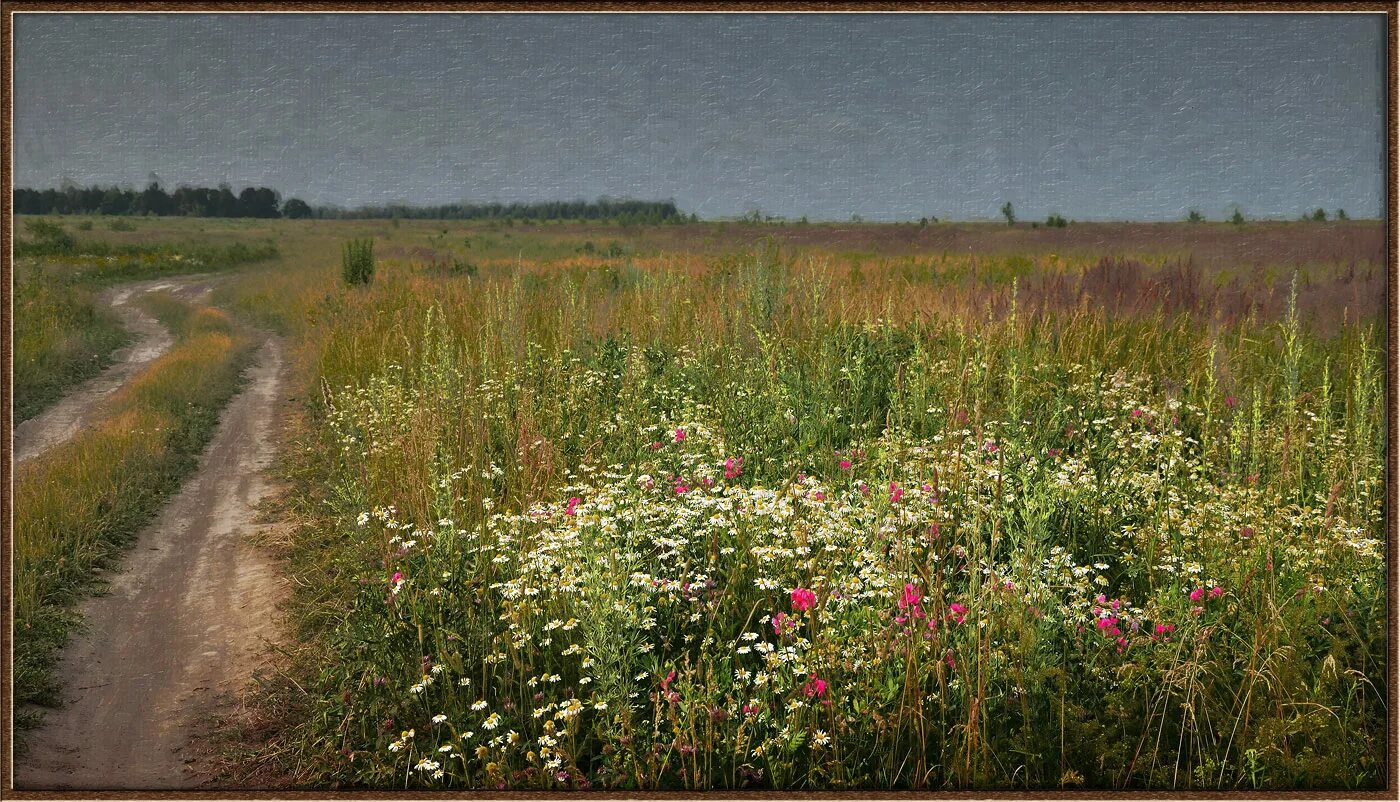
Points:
(890, 116)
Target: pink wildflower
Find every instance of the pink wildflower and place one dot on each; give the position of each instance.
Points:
(816, 686)
(1216, 592)
(573, 504)
(781, 623)
(957, 612)
(1137, 413)
(733, 467)
(680, 435)
(803, 599)
(845, 465)
(911, 596)
(896, 493)
(1198, 594)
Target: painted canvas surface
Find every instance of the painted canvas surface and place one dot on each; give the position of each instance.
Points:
(716, 402)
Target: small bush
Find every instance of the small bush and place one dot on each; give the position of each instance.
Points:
(45, 238)
(121, 225)
(357, 262)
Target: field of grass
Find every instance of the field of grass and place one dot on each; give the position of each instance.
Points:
(78, 505)
(724, 506)
(791, 506)
(63, 334)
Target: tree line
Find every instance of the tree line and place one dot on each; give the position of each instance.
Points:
(627, 211)
(218, 201)
(221, 201)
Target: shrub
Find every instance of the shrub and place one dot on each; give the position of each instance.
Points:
(45, 238)
(357, 262)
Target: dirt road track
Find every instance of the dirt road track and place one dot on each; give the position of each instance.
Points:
(80, 407)
(184, 626)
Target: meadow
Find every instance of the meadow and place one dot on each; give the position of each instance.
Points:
(714, 506)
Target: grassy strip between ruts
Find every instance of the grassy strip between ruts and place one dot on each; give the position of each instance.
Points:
(77, 506)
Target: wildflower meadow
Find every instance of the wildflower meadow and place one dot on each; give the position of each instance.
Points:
(767, 519)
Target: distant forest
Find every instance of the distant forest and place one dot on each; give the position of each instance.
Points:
(263, 202)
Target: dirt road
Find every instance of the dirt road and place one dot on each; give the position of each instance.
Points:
(185, 624)
(82, 405)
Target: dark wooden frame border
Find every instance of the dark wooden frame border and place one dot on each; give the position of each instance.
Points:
(1392, 202)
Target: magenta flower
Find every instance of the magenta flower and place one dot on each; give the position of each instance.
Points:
(803, 599)
(396, 578)
(1198, 594)
(845, 465)
(816, 686)
(911, 596)
(573, 504)
(733, 467)
(680, 435)
(896, 493)
(957, 612)
(1137, 413)
(1216, 592)
(781, 623)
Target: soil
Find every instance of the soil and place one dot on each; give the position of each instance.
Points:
(175, 642)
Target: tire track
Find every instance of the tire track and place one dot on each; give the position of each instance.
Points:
(82, 405)
(178, 636)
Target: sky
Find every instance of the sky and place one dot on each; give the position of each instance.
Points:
(886, 116)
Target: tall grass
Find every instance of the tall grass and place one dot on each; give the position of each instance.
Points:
(753, 521)
(62, 336)
(77, 505)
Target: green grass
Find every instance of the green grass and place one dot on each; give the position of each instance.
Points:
(62, 337)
